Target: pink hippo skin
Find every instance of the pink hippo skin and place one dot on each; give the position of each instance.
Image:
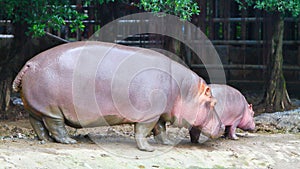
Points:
(90, 84)
(233, 110)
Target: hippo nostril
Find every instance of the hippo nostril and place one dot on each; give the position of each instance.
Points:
(222, 127)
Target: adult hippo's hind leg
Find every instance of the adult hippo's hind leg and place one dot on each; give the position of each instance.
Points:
(57, 129)
(141, 132)
(39, 128)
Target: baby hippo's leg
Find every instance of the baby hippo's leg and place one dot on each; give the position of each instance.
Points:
(231, 132)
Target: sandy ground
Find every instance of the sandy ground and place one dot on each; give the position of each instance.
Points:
(114, 147)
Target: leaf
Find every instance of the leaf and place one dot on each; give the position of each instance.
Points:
(182, 8)
(282, 6)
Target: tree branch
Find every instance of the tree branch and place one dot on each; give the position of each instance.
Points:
(57, 38)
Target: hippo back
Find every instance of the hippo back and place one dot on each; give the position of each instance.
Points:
(230, 103)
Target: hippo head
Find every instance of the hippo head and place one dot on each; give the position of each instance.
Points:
(247, 122)
(198, 110)
(195, 108)
(207, 119)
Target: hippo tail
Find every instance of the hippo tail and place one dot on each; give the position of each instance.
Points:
(17, 83)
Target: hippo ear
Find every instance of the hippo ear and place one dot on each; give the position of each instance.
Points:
(201, 87)
(250, 106)
(207, 91)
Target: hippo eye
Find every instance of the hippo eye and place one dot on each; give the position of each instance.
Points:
(208, 104)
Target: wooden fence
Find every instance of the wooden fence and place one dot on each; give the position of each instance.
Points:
(241, 37)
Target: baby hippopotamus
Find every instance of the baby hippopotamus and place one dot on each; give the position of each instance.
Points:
(233, 110)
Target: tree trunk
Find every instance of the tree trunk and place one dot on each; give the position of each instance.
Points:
(276, 95)
(13, 56)
(10, 48)
(5, 89)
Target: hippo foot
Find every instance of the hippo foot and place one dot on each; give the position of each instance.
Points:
(195, 135)
(143, 144)
(233, 137)
(231, 133)
(48, 139)
(147, 148)
(194, 141)
(66, 140)
(40, 129)
(57, 130)
(141, 131)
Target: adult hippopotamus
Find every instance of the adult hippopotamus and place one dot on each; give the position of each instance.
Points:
(233, 110)
(89, 84)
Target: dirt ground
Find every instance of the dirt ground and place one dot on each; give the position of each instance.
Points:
(114, 147)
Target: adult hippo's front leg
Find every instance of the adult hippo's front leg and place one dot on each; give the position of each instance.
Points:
(160, 133)
(142, 130)
(194, 134)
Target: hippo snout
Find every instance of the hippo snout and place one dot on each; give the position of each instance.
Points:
(219, 132)
(251, 126)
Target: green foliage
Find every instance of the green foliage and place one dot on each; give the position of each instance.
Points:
(183, 8)
(41, 14)
(282, 6)
(104, 1)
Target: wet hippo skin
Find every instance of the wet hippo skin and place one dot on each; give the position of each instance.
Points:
(90, 84)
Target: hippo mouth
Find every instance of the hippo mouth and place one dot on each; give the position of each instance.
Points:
(251, 127)
(216, 134)
(250, 130)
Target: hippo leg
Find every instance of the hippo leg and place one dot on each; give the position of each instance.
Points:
(194, 134)
(141, 131)
(231, 133)
(58, 130)
(160, 133)
(226, 132)
(40, 129)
